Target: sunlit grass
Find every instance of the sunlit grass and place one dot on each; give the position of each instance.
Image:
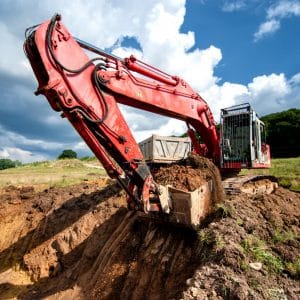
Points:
(286, 170)
(52, 173)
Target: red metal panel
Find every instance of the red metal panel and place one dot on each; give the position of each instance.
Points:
(77, 91)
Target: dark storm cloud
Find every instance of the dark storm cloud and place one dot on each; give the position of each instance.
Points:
(24, 113)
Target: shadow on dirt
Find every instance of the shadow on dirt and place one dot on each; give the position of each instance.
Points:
(58, 220)
(124, 258)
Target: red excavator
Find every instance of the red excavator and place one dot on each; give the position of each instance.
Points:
(87, 92)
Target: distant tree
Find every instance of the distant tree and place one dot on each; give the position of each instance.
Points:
(6, 163)
(283, 131)
(67, 153)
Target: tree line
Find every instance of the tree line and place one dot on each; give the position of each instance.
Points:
(283, 133)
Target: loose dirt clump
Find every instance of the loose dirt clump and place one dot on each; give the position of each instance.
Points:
(182, 177)
(82, 243)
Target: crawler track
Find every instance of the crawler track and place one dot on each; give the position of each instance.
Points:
(252, 184)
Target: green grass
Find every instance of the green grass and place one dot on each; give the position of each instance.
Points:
(294, 268)
(286, 170)
(259, 251)
(52, 173)
(284, 236)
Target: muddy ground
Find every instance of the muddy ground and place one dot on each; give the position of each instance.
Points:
(81, 242)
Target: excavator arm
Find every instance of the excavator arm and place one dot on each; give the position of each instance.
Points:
(87, 92)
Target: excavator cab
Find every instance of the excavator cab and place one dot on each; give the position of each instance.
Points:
(243, 139)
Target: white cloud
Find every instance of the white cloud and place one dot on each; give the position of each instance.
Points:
(21, 155)
(225, 95)
(265, 28)
(266, 93)
(169, 128)
(10, 139)
(284, 9)
(12, 59)
(15, 146)
(273, 85)
(80, 146)
(270, 93)
(295, 79)
(275, 14)
(127, 51)
(230, 6)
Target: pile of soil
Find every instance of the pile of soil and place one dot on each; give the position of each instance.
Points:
(181, 177)
(191, 174)
(82, 243)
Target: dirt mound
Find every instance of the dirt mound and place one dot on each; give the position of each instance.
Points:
(82, 243)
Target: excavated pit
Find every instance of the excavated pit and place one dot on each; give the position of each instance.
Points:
(81, 243)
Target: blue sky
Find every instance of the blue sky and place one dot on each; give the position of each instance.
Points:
(233, 32)
(229, 51)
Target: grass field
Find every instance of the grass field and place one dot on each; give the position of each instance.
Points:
(71, 171)
(287, 170)
(52, 173)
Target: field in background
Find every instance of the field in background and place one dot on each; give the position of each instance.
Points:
(286, 170)
(53, 173)
(71, 171)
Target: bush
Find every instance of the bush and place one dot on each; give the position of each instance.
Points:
(68, 153)
(6, 163)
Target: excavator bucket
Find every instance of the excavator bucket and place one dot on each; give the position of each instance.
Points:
(182, 207)
(188, 192)
(190, 208)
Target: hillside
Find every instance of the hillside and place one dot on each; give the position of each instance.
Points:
(52, 173)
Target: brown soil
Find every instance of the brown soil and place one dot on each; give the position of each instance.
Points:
(81, 243)
(191, 174)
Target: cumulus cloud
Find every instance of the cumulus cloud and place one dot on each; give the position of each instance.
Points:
(275, 14)
(266, 93)
(169, 127)
(270, 93)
